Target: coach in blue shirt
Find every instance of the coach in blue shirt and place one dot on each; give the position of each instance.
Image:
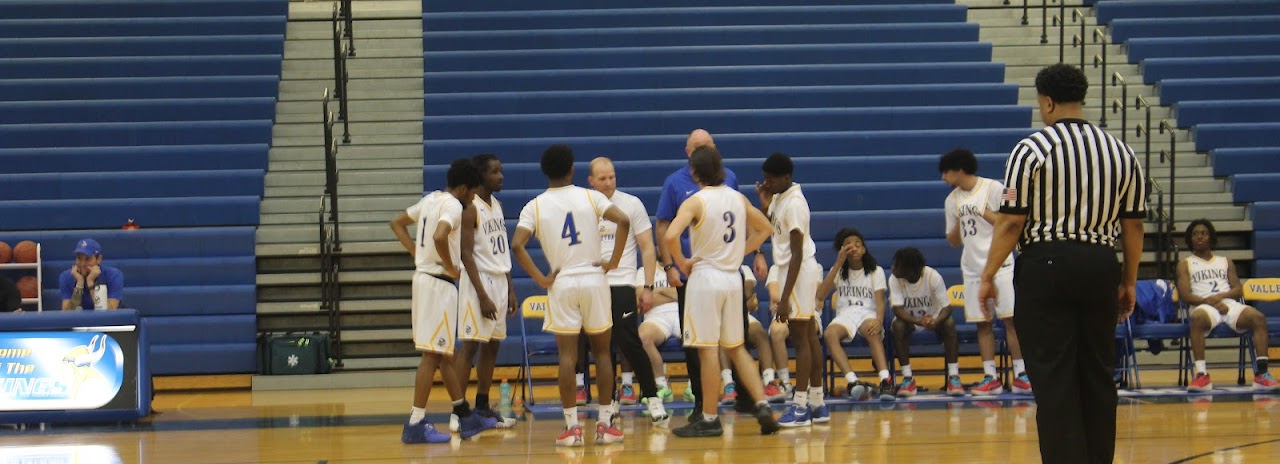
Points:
(678, 187)
(89, 284)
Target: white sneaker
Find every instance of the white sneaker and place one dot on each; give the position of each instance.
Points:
(454, 424)
(658, 414)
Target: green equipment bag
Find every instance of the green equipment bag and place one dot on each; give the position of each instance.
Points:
(294, 354)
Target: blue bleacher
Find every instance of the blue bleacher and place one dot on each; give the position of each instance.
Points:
(138, 110)
(1156, 69)
(704, 98)
(135, 158)
(126, 27)
(1190, 47)
(1195, 112)
(681, 36)
(1240, 88)
(1213, 26)
(1231, 161)
(140, 66)
(1235, 135)
(691, 16)
(154, 110)
(728, 121)
(1111, 10)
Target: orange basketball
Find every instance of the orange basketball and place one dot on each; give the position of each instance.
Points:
(28, 287)
(6, 253)
(25, 252)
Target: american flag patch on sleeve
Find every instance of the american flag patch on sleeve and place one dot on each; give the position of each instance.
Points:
(1010, 194)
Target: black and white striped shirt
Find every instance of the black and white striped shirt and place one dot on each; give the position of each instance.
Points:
(1073, 182)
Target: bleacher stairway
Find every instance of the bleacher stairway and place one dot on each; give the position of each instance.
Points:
(380, 171)
(1199, 193)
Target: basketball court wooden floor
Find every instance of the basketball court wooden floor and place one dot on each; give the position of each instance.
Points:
(351, 426)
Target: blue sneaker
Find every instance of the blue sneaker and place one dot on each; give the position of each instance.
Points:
(954, 386)
(422, 432)
(796, 416)
(472, 425)
(819, 414)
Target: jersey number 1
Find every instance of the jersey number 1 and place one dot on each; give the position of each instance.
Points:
(570, 231)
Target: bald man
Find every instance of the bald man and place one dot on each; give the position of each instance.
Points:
(677, 188)
(629, 304)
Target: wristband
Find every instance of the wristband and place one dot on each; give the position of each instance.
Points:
(667, 267)
(648, 287)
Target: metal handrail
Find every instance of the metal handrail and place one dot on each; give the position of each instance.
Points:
(1120, 106)
(1144, 131)
(1024, 11)
(1166, 126)
(1076, 15)
(340, 78)
(1060, 23)
(1044, 21)
(1100, 38)
(348, 18)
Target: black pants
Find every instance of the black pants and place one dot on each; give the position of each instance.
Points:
(626, 338)
(1066, 311)
(694, 364)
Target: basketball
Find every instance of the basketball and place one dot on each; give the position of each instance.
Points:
(28, 287)
(6, 253)
(25, 252)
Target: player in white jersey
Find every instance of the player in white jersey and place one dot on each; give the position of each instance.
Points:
(859, 306)
(660, 324)
(971, 212)
(1209, 284)
(627, 303)
(756, 337)
(487, 297)
(920, 301)
(723, 228)
(566, 220)
(779, 333)
(435, 299)
(793, 253)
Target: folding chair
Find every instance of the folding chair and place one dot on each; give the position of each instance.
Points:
(1163, 329)
(534, 307)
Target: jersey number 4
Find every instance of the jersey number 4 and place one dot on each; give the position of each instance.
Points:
(570, 231)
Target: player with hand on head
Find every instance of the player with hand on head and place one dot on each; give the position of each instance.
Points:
(859, 307)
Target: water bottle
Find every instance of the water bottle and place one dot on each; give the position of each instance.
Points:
(504, 395)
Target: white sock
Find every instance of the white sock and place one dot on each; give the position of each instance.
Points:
(815, 397)
(662, 382)
(785, 375)
(726, 376)
(416, 414)
(884, 374)
(1019, 367)
(628, 377)
(710, 417)
(1201, 368)
(581, 379)
(606, 413)
(571, 417)
(850, 377)
(953, 368)
(906, 370)
(801, 398)
(768, 376)
(989, 367)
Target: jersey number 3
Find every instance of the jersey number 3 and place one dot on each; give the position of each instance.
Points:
(731, 234)
(570, 231)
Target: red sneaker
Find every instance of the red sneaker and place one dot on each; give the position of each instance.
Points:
(607, 435)
(1022, 384)
(1265, 382)
(989, 386)
(907, 388)
(730, 394)
(582, 395)
(572, 436)
(1200, 383)
(773, 393)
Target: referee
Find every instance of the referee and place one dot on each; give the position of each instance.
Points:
(1071, 193)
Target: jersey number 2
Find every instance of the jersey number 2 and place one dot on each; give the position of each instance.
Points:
(570, 231)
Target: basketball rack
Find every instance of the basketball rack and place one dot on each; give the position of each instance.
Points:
(38, 301)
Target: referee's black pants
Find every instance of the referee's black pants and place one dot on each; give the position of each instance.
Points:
(694, 364)
(1066, 311)
(626, 337)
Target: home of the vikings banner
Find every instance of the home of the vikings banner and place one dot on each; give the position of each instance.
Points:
(59, 370)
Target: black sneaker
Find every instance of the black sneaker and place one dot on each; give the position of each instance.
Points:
(743, 404)
(700, 428)
(886, 390)
(696, 415)
(768, 424)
